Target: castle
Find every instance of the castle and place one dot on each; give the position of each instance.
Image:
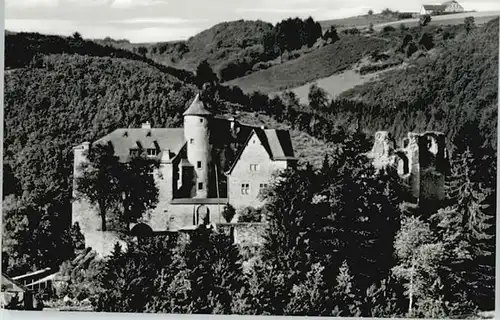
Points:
(421, 161)
(210, 162)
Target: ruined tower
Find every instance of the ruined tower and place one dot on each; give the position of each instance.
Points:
(422, 161)
(197, 120)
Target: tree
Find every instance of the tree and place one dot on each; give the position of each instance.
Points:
(77, 36)
(420, 255)
(427, 41)
(425, 19)
(345, 298)
(128, 189)
(205, 74)
(370, 12)
(331, 33)
(142, 50)
(469, 24)
(318, 98)
(228, 212)
(370, 27)
(99, 180)
(310, 297)
(139, 190)
(411, 49)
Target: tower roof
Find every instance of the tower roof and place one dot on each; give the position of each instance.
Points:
(197, 108)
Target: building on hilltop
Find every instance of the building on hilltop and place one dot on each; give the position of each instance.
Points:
(211, 161)
(446, 7)
(422, 161)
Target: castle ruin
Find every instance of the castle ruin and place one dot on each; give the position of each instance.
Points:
(421, 161)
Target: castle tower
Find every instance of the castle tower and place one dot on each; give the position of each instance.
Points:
(197, 120)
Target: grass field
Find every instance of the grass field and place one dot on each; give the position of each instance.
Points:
(318, 64)
(479, 18)
(358, 21)
(335, 84)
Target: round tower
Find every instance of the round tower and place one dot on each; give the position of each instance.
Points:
(197, 121)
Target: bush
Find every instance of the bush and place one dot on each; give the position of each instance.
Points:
(228, 212)
(250, 214)
(412, 48)
(388, 29)
(405, 15)
(352, 31)
(425, 19)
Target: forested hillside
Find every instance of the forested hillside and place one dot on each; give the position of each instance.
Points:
(220, 45)
(63, 100)
(341, 241)
(441, 92)
(23, 47)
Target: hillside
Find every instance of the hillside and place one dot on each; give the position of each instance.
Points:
(442, 91)
(234, 42)
(66, 99)
(373, 65)
(319, 63)
(22, 47)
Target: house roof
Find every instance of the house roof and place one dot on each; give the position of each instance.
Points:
(434, 7)
(277, 143)
(10, 285)
(123, 140)
(197, 108)
(447, 3)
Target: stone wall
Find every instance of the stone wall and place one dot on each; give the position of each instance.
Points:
(245, 234)
(421, 161)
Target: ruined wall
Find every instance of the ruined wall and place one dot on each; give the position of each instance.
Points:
(382, 153)
(432, 159)
(245, 234)
(253, 154)
(183, 212)
(421, 161)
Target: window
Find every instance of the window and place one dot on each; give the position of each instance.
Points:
(134, 152)
(200, 185)
(198, 164)
(152, 152)
(191, 141)
(201, 120)
(254, 167)
(263, 185)
(245, 188)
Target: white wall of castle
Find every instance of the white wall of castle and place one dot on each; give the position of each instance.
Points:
(253, 154)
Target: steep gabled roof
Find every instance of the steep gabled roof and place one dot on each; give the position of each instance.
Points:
(434, 7)
(125, 139)
(197, 108)
(277, 143)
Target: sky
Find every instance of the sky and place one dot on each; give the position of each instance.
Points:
(167, 20)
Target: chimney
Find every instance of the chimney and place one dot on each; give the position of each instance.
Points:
(146, 125)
